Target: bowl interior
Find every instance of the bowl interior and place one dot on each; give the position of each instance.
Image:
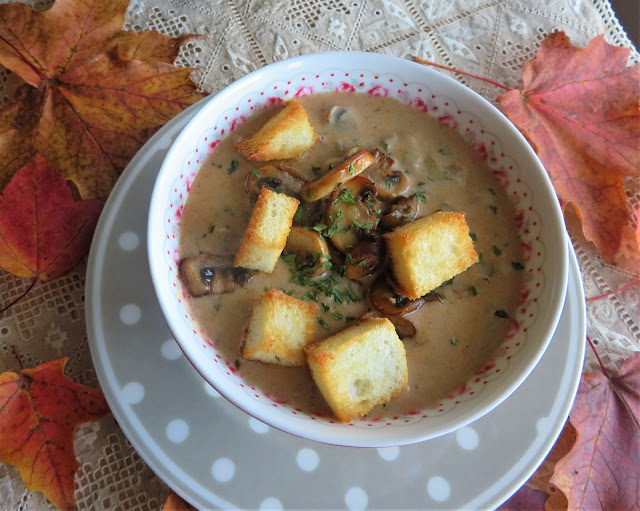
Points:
(456, 107)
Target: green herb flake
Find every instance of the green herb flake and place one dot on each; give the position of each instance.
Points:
(233, 167)
(311, 295)
(315, 170)
(308, 193)
(323, 323)
(301, 215)
(319, 227)
(422, 184)
(363, 225)
(491, 190)
(289, 258)
(349, 319)
(361, 264)
(494, 209)
(352, 169)
(454, 342)
(420, 196)
(473, 236)
(389, 182)
(266, 288)
(327, 265)
(237, 364)
(255, 173)
(518, 266)
(337, 316)
(325, 308)
(343, 270)
(218, 306)
(497, 251)
(474, 291)
(480, 257)
(501, 313)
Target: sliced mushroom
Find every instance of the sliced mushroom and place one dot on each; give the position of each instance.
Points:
(309, 213)
(353, 213)
(278, 178)
(404, 327)
(347, 170)
(204, 275)
(403, 210)
(309, 245)
(386, 301)
(364, 259)
(390, 183)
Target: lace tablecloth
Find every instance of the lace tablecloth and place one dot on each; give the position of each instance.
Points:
(491, 38)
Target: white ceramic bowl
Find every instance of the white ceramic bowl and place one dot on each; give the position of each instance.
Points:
(514, 163)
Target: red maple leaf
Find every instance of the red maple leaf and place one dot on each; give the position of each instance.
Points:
(579, 109)
(39, 411)
(43, 232)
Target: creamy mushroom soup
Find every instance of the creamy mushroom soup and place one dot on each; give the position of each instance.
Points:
(448, 335)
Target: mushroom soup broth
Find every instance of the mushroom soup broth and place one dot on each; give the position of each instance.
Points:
(455, 334)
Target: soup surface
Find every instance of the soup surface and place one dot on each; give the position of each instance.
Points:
(455, 337)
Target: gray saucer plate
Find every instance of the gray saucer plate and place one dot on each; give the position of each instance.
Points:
(216, 456)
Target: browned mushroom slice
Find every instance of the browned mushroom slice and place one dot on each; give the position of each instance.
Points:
(279, 178)
(308, 245)
(347, 170)
(204, 275)
(390, 183)
(404, 327)
(403, 210)
(364, 259)
(353, 213)
(386, 301)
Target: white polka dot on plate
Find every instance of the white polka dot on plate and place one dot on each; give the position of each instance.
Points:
(223, 470)
(211, 391)
(356, 499)
(438, 489)
(389, 453)
(171, 350)
(258, 426)
(271, 504)
(128, 241)
(307, 459)
(177, 431)
(467, 438)
(543, 426)
(130, 314)
(133, 393)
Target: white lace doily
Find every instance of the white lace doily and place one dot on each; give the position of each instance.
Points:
(490, 38)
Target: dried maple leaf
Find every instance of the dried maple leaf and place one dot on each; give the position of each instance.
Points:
(93, 93)
(601, 470)
(39, 411)
(176, 503)
(43, 232)
(579, 108)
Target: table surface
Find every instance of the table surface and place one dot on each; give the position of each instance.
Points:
(490, 38)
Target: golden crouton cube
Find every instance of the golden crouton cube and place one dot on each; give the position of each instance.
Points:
(286, 135)
(429, 251)
(280, 326)
(267, 232)
(360, 367)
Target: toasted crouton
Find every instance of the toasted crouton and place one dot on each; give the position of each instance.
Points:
(286, 135)
(267, 232)
(429, 251)
(279, 328)
(360, 367)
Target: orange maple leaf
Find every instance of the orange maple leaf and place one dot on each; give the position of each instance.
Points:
(93, 93)
(579, 109)
(39, 411)
(601, 470)
(43, 232)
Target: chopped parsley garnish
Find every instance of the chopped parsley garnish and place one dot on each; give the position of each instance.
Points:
(389, 182)
(302, 215)
(501, 313)
(345, 196)
(420, 196)
(315, 170)
(218, 306)
(491, 190)
(352, 169)
(255, 173)
(422, 184)
(337, 316)
(454, 342)
(327, 265)
(311, 295)
(308, 193)
(517, 265)
(319, 227)
(480, 257)
(335, 225)
(497, 251)
(472, 236)
(494, 209)
(323, 323)
(362, 263)
(363, 225)
(233, 167)
(325, 308)
(474, 291)
(237, 363)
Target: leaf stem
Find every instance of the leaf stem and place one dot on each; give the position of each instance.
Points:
(604, 369)
(593, 298)
(33, 283)
(454, 70)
